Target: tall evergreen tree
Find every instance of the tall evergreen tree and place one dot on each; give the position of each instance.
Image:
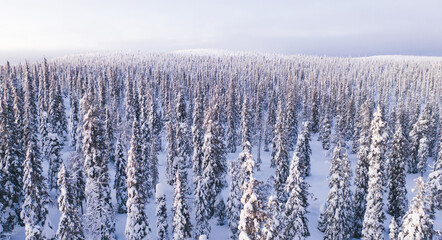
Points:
(234, 200)
(292, 120)
(161, 214)
(420, 129)
(338, 216)
(137, 225)
(397, 194)
(281, 155)
(182, 226)
(55, 161)
(232, 115)
(120, 184)
(197, 134)
(416, 223)
(303, 150)
(252, 216)
(326, 130)
(372, 227)
(362, 167)
(100, 222)
(271, 120)
(295, 221)
(70, 226)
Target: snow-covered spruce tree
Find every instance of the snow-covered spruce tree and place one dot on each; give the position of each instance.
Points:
(170, 144)
(182, 226)
(271, 120)
(295, 221)
(220, 211)
(214, 166)
(372, 227)
(419, 130)
(204, 210)
(393, 229)
(36, 198)
(292, 120)
(183, 146)
(232, 118)
(197, 134)
(137, 225)
(10, 168)
(74, 121)
(55, 161)
(155, 123)
(234, 200)
(78, 179)
(422, 155)
(326, 130)
(303, 150)
(161, 214)
(100, 222)
(120, 184)
(252, 215)
(274, 219)
(416, 223)
(258, 122)
(56, 112)
(338, 216)
(433, 189)
(397, 194)
(314, 118)
(246, 123)
(281, 156)
(362, 166)
(144, 144)
(432, 131)
(70, 226)
(109, 134)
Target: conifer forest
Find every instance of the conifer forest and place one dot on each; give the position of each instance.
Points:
(228, 145)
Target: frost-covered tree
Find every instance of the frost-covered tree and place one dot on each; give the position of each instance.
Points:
(74, 121)
(292, 120)
(170, 144)
(281, 157)
(397, 194)
(252, 216)
(234, 200)
(100, 222)
(303, 150)
(422, 155)
(109, 135)
(295, 221)
(372, 227)
(416, 223)
(55, 161)
(197, 134)
(314, 118)
(161, 214)
(120, 184)
(271, 120)
(214, 166)
(393, 229)
(137, 225)
(34, 211)
(220, 211)
(326, 131)
(362, 166)
(204, 208)
(420, 129)
(70, 226)
(182, 226)
(338, 216)
(232, 118)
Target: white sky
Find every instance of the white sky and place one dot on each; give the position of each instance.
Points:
(320, 27)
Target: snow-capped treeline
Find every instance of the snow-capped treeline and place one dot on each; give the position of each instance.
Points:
(118, 110)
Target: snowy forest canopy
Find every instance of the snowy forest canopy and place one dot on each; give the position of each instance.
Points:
(161, 120)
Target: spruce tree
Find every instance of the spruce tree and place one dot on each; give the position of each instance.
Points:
(234, 200)
(34, 211)
(55, 161)
(362, 166)
(303, 150)
(120, 184)
(295, 221)
(281, 155)
(137, 225)
(422, 155)
(338, 216)
(197, 135)
(397, 194)
(292, 120)
(70, 226)
(393, 229)
(252, 216)
(372, 227)
(271, 120)
(182, 227)
(326, 130)
(416, 223)
(100, 222)
(232, 115)
(161, 214)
